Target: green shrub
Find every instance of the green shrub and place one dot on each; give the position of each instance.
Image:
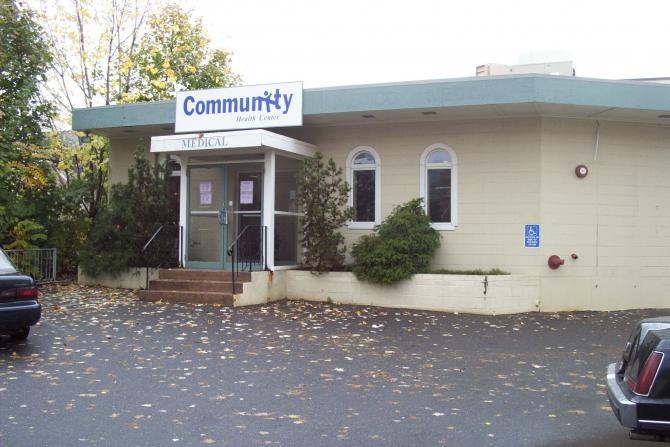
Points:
(135, 211)
(400, 247)
(27, 234)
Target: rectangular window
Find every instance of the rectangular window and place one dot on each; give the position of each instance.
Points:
(286, 184)
(287, 239)
(287, 226)
(439, 195)
(364, 195)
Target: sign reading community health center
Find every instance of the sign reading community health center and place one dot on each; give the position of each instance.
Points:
(249, 107)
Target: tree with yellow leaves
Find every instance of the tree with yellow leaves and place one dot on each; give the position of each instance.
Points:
(175, 54)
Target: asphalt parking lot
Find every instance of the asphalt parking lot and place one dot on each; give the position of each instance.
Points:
(104, 369)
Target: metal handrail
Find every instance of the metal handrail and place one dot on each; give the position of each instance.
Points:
(151, 239)
(144, 250)
(232, 251)
(229, 250)
(148, 244)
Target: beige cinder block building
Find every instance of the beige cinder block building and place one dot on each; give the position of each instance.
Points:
(513, 170)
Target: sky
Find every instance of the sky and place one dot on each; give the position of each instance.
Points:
(345, 42)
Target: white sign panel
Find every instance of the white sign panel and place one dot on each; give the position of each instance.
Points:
(249, 107)
(246, 192)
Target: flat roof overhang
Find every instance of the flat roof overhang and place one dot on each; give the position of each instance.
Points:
(435, 100)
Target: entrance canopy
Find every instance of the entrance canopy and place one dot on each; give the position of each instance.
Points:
(238, 141)
(238, 197)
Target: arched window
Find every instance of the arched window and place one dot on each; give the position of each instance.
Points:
(439, 180)
(364, 177)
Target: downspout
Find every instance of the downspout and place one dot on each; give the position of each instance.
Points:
(595, 158)
(595, 148)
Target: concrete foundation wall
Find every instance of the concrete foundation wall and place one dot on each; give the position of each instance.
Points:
(134, 278)
(264, 287)
(502, 294)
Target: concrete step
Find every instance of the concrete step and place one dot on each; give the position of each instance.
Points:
(182, 296)
(202, 275)
(195, 285)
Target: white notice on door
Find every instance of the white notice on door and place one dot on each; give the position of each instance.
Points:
(205, 198)
(246, 192)
(205, 193)
(205, 186)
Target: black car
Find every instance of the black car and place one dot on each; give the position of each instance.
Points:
(638, 386)
(19, 308)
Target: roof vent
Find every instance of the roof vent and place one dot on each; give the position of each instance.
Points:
(561, 68)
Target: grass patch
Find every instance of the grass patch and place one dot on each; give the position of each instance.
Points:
(490, 272)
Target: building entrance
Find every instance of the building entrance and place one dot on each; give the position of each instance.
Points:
(225, 206)
(207, 217)
(239, 206)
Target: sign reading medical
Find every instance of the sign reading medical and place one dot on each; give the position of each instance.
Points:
(532, 235)
(249, 107)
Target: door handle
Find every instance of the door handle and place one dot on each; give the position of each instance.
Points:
(223, 217)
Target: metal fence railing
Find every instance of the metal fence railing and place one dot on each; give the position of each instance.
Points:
(40, 263)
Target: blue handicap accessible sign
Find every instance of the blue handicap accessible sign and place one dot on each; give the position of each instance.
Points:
(532, 235)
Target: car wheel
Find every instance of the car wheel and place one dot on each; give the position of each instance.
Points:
(21, 334)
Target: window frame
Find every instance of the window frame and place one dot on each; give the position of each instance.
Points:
(350, 168)
(423, 183)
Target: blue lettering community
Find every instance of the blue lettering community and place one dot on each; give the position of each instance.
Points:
(278, 100)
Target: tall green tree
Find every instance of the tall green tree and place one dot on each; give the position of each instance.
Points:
(175, 54)
(24, 58)
(323, 196)
(25, 179)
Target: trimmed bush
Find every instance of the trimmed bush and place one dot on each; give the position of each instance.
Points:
(400, 247)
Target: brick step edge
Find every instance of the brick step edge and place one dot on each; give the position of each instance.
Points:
(180, 296)
(203, 275)
(193, 285)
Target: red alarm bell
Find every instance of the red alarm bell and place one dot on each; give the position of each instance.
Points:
(555, 262)
(581, 171)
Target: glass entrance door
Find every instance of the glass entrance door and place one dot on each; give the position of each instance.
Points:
(245, 183)
(207, 217)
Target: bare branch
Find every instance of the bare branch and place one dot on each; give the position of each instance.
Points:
(82, 48)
